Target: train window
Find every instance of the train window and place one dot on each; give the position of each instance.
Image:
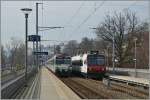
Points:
(63, 60)
(59, 61)
(67, 61)
(100, 61)
(96, 60)
(77, 63)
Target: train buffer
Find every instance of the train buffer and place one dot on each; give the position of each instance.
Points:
(54, 89)
(130, 80)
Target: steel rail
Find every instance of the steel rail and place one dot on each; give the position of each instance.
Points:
(129, 82)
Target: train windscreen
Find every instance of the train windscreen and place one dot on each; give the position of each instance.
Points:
(63, 60)
(59, 60)
(67, 60)
(96, 60)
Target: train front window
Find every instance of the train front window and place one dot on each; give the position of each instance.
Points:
(96, 60)
(59, 61)
(67, 61)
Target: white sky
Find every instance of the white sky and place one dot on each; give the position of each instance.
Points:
(59, 13)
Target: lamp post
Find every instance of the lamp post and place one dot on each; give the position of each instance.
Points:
(26, 11)
(135, 39)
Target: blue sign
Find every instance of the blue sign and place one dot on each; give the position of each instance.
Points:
(40, 53)
(34, 38)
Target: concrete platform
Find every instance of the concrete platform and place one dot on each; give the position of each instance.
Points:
(54, 89)
(129, 79)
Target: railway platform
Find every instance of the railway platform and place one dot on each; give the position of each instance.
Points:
(131, 80)
(54, 89)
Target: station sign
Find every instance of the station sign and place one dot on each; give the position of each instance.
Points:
(34, 38)
(40, 53)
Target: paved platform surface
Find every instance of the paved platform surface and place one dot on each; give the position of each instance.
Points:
(131, 79)
(54, 89)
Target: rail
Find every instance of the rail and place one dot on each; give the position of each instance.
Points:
(128, 69)
(9, 88)
(129, 82)
(34, 87)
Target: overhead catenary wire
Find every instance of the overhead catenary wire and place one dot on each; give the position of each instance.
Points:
(89, 16)
(96, 9)
(73, 17)
(128, 6)
(53, 41)
(75, 14)
(134, 3)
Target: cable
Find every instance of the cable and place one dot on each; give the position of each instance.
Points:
(130, 5)
(89, 16)
(73, 16)
(53, 41)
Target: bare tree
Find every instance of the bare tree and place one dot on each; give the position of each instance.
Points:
(3, 57)
(119, 25)
(71, 48)
(86, 45)
(57, 49)
(16, 50)
(100, 45)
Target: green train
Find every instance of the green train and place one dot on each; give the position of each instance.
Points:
(60, 64)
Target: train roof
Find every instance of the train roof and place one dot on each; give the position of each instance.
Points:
(81, 56)
(57, 56)
(78, 57)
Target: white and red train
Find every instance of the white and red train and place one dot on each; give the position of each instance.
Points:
(90, 64)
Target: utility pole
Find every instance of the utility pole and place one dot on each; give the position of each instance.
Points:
(40, 28)
(108, 57)
(37, 59)
(135, 59)
(33, 54)
(37, 34)
(113, 53)
(113, 48)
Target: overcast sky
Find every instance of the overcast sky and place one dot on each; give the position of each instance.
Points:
(68, 14)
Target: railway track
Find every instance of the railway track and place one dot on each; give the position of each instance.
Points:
(76, 87)
(31, 91)
(136, 92)
(15, 87)
(131, 90)
(94, 89)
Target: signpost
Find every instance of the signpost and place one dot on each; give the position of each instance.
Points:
(40, 53)
(34, 38)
